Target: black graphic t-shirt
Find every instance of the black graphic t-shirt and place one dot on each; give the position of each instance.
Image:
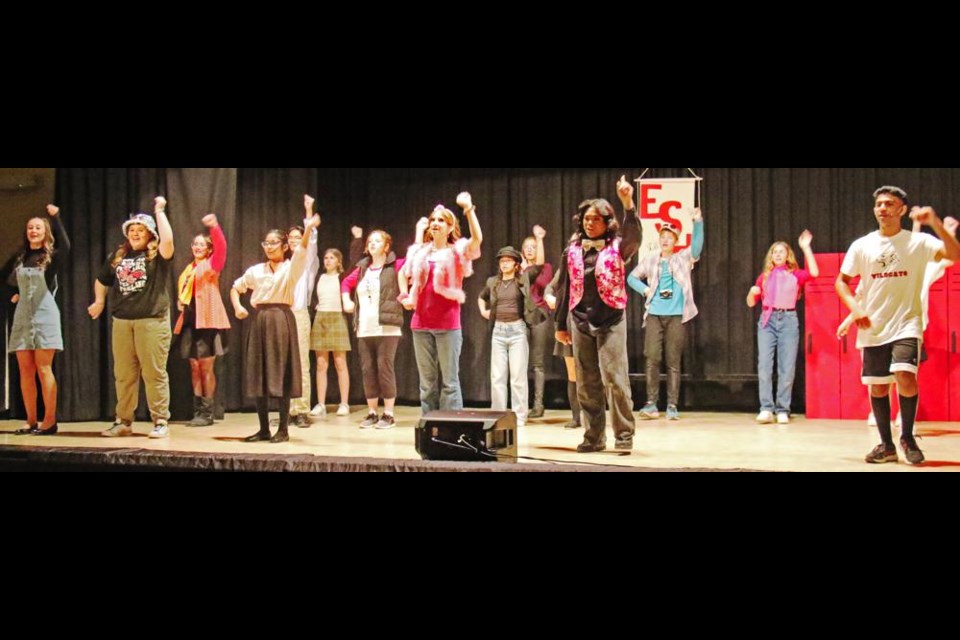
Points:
(139, 288)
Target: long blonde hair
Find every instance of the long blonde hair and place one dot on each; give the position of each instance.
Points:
(450, 219)
(48, 244)
(791, 262)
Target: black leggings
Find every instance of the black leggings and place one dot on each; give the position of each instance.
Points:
(263, 412)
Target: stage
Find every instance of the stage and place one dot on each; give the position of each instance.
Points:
(698, 442)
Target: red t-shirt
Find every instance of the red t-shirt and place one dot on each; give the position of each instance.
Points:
(434, 312)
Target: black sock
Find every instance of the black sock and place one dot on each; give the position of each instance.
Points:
(284, 413)
(263, 412)
(908, 415)
(881, 411)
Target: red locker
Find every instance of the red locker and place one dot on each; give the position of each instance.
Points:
(834, 389)
(934, 373)
(854, 398)
(820, 346)
(953, 336)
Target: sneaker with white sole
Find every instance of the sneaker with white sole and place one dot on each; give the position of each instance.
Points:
(343, 410)
(370, 421)
(386, 422)
(765, 417)
(911, 451)
(319, 411)
(160, 430)
(783, 418)
(649, 412)
(881, 454)
(118, 430)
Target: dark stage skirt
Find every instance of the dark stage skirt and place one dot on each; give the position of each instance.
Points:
(272, 367)
(197, 344)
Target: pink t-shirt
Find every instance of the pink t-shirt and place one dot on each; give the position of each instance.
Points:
(784, 292)
(434, 312)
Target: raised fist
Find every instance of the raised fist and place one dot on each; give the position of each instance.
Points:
(53, 210)
(624, 189)
(923, 215)
(210, 220)
(539, 232)
(950, 224)
(465, 201)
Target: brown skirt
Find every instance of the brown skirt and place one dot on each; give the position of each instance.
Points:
(272, 367)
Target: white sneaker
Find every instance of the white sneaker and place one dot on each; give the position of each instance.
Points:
(872, 420)
(118, 430)
(343, 410)
(783, 418)
(765, 417)
(319, 411)
(161, 430)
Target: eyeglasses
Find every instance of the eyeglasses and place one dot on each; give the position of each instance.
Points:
(267, 245)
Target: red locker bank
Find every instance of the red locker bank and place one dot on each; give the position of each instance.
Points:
(833, 386)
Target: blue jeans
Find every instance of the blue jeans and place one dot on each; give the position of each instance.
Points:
(438, 357)
(510, 353)
(781, 337)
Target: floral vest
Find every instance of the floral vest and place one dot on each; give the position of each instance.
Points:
(609, 272)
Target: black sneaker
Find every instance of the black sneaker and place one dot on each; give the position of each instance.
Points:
(371, 421)
(911, 451)
(881, 454)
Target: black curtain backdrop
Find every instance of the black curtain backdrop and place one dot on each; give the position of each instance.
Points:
(745, 210)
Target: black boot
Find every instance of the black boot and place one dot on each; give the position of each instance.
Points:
(538, 381)
(202, 412)
(574, 406)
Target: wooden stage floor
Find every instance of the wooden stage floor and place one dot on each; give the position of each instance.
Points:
(700, 441)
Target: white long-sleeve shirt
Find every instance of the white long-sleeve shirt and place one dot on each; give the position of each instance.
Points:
(303, 291)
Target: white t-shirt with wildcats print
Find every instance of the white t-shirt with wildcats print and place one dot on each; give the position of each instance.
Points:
(891, 270)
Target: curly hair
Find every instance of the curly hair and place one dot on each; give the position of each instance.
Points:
(601, 206)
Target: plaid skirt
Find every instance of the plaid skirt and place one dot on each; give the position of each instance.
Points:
(272, 367)
(330, 332)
